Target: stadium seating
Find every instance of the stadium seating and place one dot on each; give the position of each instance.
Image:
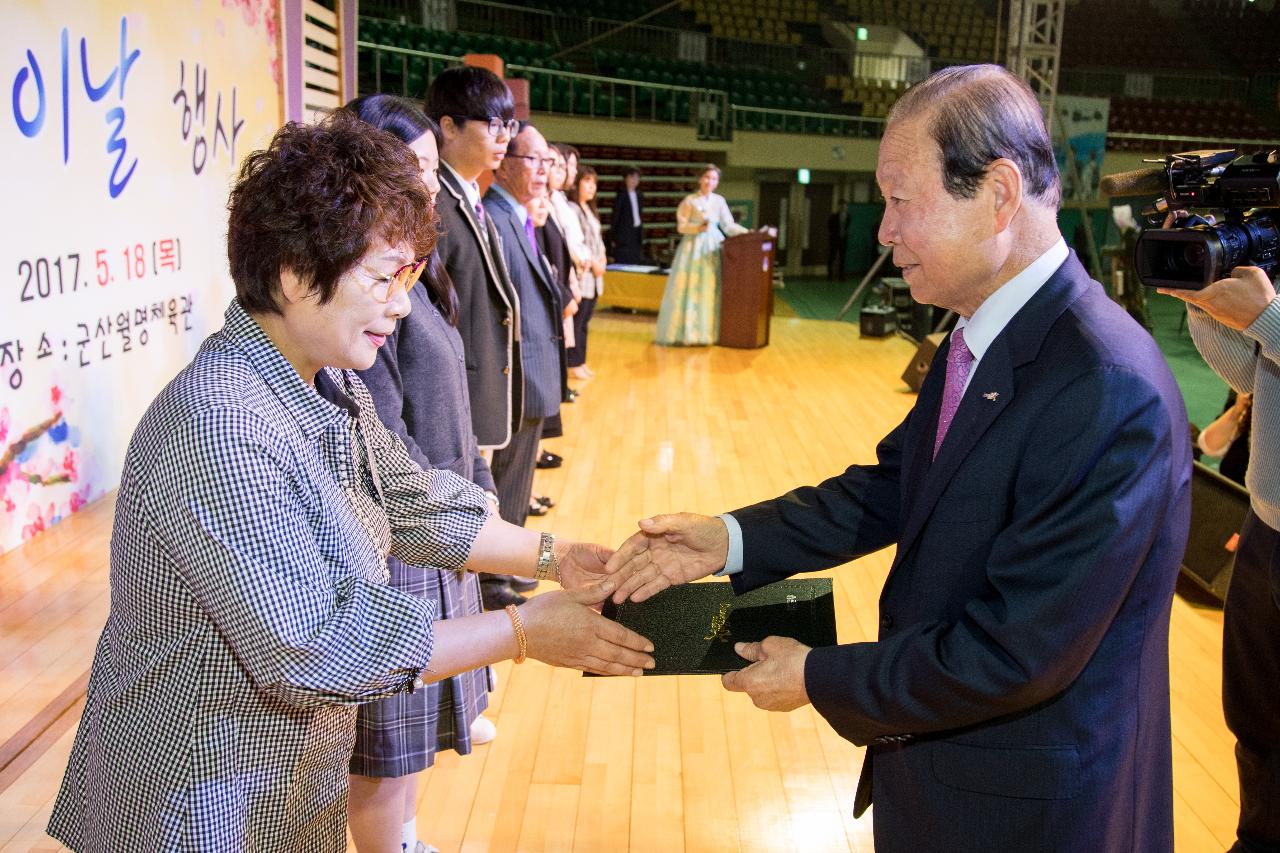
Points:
(668, 177)
(951, 30)
(1190, 120)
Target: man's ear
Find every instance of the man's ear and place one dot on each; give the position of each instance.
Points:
(449, 128)
(1004, 181)
(292, 287)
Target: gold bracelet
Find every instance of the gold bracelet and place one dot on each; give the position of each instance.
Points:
(517, 625)
(547, 562)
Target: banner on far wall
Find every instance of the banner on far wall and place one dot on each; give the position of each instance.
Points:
(122, 129)
(1080, 143)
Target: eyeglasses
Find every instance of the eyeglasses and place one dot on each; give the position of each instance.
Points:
(497, 124)
(388, 287)
(544, 162)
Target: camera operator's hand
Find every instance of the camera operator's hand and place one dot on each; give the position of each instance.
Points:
(1236, 301)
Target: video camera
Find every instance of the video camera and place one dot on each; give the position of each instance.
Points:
(1200, 252)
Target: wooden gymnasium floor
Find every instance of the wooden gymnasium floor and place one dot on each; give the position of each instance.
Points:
(661, 764)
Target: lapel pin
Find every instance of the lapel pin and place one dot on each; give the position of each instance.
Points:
(991, 395)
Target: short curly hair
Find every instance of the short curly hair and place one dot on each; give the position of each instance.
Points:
(315, 199)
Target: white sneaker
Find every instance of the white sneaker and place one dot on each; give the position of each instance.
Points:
(422, 847)
(483, 730)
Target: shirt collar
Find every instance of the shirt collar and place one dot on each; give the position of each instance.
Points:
(521, 212)
(470, 189)
(1000, 307)
(313, 413)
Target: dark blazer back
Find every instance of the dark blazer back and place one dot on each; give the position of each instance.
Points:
(488, 315)
(1017, 698)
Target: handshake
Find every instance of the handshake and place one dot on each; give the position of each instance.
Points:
(566, 629)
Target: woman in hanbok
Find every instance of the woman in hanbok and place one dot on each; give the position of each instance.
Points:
(690, 313)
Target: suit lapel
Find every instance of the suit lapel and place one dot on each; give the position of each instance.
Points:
(991, 391)
(489, 243)
(518, 234)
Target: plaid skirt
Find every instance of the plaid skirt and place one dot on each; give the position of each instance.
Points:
(401, 734)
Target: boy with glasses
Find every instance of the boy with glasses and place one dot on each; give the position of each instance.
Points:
(477, 117)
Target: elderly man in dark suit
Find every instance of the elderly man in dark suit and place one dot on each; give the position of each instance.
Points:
(1017, 698)
(521, 178)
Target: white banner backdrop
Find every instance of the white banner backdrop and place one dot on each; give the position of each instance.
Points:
(124, 125)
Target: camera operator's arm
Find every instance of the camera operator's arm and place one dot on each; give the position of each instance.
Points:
(1230, 320)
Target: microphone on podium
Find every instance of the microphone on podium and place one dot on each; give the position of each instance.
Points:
(1135, 182)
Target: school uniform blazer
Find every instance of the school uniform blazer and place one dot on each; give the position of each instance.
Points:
(488, 314)
(1018, 696)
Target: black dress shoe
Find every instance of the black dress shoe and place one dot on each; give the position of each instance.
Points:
(545, 501)
(547, 459)
(520, 584)
(496, 596)
(537, 509)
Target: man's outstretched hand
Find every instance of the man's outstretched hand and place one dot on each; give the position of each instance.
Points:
(668, 550)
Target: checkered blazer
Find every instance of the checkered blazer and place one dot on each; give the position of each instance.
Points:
(249, 612)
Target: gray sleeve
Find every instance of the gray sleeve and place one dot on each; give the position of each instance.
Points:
(1231, 354)
(1266, 331)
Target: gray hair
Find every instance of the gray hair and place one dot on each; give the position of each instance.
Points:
(979, 114)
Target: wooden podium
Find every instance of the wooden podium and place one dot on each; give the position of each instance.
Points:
(746, 290)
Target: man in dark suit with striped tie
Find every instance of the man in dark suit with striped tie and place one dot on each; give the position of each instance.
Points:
(522, 177)
(1016, 698)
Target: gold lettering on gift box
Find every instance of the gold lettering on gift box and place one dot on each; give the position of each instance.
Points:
(720, 624)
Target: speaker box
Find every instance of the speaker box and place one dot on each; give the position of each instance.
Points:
(1218, 509)
(876, 321)
(918, 367)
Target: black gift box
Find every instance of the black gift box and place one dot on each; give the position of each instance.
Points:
(693, 626)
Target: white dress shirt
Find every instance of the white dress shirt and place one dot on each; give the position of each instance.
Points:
(635, 208)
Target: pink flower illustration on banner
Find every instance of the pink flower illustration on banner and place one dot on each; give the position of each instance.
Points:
(33, 461)
(251, 12)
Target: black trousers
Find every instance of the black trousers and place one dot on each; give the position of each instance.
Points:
(577, 354)
(512, 469)
(1250, 675)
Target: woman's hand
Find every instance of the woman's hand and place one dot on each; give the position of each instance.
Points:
(563, 630)
(581, 563)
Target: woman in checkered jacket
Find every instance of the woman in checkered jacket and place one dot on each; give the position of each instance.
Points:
(260, 498)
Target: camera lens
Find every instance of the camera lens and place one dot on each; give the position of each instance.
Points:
(1194, 255)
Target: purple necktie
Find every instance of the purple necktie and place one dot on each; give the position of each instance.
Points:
(959, 360)
(480, 213)
(528, 232)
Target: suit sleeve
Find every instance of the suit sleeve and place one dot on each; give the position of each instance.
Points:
(1093, 490)
(817, 527)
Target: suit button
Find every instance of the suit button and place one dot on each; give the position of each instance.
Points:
(886, 622)
(506, 321)
(506, 371)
